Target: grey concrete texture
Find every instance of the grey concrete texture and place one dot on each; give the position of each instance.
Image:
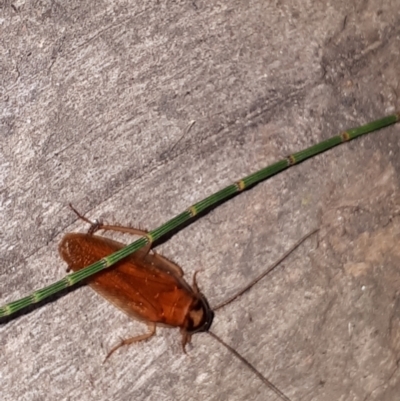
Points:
(133, 111)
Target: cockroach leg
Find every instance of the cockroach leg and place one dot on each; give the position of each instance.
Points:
(94, 225)
(141, 232)
(128, 230)
(122, 229)
(98, 225)
(127, 341)
(186, 339)
(167, 264)
(194, 284)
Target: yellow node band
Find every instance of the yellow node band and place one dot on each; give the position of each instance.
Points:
(291, 160)
(345, 136)
(150, 238)
(240, 185)
(192, 210)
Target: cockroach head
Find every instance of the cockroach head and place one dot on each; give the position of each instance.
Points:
(200, 316)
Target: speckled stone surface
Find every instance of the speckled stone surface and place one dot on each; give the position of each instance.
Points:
(96, 101)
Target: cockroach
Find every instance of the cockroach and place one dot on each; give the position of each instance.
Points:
(149, 287)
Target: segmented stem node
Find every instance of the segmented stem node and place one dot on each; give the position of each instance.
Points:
(291, 159)
(240, 185)
(107, 261)
(345, 136)
(149, 238)
(192, 211)
(34, 298)
(69, 282)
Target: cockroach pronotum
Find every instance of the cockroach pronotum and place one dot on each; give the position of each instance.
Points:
(149, 287)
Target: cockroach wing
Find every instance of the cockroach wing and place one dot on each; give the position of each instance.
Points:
(145, 287)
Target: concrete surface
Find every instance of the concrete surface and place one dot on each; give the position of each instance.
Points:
(96, 101)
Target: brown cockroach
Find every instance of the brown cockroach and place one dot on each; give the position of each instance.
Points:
(151, 288)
